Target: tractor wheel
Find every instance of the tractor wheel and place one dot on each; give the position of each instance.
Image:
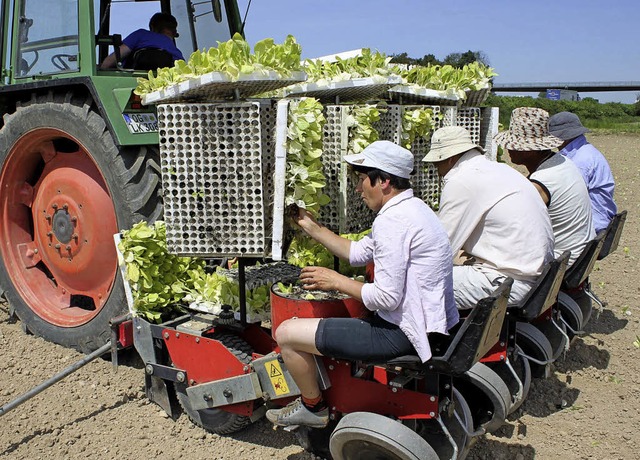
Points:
(217, 420)
(368, 436)
(65, 189)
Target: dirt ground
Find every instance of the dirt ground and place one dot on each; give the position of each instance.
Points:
(588, 408)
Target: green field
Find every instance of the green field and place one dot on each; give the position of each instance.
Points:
(611, 117)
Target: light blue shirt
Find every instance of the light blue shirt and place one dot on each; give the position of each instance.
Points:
(597, 175)
(413, 283)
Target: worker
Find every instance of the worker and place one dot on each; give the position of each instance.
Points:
(557, 179)
(591, 163)
(158, 41)
(411, 295)
(497, 225)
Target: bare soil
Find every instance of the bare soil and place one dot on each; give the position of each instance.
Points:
(588, 408)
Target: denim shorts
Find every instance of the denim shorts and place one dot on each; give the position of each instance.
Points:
(371, 339)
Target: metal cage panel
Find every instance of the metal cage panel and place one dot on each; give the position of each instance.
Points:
(215, 183)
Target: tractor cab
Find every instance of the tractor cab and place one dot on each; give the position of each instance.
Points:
(44, 39)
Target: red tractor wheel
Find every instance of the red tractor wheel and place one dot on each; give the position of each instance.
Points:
(65, 189)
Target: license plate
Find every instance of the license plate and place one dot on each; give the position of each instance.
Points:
(141, 122)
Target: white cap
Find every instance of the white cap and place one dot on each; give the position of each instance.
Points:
(385, 156)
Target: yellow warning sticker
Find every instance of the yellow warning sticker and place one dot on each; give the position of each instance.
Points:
(277, 377)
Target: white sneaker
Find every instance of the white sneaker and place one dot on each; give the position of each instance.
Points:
(295, 413)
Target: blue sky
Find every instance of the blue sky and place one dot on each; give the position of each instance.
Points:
(525, 41)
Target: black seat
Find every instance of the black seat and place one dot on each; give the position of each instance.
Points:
(477, 334)
(582, 267)
(613, 233)
(149, 59)
(543, 293)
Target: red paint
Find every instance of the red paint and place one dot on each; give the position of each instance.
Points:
(497, 353)
(283, 308)
(205, 360)
(350, 394)
(125, 334)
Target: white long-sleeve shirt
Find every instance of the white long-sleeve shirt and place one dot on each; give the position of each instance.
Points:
(495, 214)
(413, 285)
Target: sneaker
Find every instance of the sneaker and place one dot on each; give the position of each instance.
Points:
(295, 413)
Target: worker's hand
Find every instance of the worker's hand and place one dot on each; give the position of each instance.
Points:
(464, 258)
(305, 221)
(320, 278)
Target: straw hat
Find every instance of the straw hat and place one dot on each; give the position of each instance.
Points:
(528, 130)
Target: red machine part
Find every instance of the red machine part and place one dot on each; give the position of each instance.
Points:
(496, 354)
(52, 241)
(351, 394)
(125, 334)
(205, 360)
(283, 308)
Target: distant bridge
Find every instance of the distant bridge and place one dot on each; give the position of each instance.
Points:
(575, 86)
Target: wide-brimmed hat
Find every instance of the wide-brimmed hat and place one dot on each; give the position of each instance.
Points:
(385, 156)
(566, 126)
(528, 130)
(450, 141)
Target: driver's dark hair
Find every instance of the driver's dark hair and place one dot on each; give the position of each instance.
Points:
(399, 183)
(161, 21)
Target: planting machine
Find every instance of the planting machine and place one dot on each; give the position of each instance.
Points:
(81, 157)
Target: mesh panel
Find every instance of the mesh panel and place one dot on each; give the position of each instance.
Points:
(346, 213)
(213, 179)
(469, 118)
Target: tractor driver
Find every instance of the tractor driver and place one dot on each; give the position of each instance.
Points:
(411, 296)
(159, 39)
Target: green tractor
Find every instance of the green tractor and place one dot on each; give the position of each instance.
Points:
(78, 156)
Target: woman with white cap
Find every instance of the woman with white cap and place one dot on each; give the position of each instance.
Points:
(411, 296)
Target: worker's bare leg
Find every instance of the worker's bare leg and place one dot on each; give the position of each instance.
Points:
(297, 340)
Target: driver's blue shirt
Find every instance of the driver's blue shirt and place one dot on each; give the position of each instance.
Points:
(143, 38)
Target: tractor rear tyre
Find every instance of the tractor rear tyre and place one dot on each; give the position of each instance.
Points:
(217, 420)
(65, 189)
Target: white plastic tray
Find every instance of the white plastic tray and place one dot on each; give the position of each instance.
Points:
(410, 94)
(216, 86)
(357, 89)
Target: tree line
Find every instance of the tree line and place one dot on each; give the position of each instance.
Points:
(457, 60)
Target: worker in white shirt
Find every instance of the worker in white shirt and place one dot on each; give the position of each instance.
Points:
(411, 296)
(497, 225)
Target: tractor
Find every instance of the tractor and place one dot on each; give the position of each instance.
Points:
(78, 157)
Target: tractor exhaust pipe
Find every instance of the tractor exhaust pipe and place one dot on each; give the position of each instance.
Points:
(56, 378)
